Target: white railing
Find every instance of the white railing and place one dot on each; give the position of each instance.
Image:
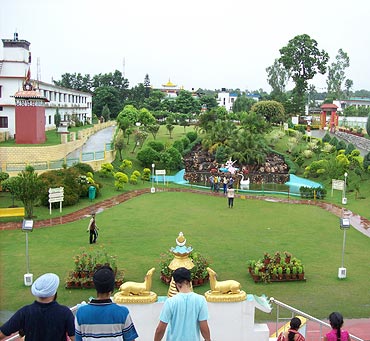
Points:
(309, 317)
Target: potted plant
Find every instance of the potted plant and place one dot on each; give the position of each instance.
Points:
(300, 272)
(266, 258)
(288, 273)
(294, 272)
(280, 272)
(288, 256)
(251, 264)
(274, 273)
(277, 257)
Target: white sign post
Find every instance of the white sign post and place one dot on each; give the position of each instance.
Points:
(56, 195)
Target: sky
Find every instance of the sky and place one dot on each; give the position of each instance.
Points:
(209, 44)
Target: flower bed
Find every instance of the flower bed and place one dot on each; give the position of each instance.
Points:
(86, 263)
(277, 268)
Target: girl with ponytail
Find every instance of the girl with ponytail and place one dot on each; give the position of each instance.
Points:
(336, 334)
(292, 334)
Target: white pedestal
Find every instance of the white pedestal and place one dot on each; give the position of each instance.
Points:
(342, 273)
(28, 279)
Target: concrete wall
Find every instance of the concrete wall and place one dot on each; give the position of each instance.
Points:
(235, 318)
(52, 153)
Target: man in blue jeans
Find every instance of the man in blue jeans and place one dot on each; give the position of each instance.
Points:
(186, 313)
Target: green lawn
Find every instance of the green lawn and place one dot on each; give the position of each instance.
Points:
(139, 230)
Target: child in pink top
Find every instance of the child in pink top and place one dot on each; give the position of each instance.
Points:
(336, 334)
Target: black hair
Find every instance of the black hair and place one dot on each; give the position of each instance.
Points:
(336, 322)
(295, 323)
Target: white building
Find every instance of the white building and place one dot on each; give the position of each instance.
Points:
(15, 61)
(226, 99)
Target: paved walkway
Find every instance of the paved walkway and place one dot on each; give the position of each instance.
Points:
(357, 327)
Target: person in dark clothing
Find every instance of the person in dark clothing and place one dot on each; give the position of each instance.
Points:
(93, 229)
(45, 319)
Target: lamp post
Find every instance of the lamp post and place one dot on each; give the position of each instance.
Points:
(344, 225)
(344, 199)
(27, 226)
(152, 190)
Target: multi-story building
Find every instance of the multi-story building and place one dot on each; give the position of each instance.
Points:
(15, 61)
(226, 99)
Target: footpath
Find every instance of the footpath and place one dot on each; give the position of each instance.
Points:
(358, 327)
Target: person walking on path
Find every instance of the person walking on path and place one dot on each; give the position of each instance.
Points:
(292, 333)
(101, 319)
(230, 196)
(336, 334)
(186, 313)
(93, 229)
(45, 319)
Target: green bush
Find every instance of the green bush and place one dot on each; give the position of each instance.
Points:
(192, 135)
(156, 145)
(83, 168)
(147, 156)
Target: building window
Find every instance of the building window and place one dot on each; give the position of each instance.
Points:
(1, 88)
(1, 108)
(49, 119)
(3, 122)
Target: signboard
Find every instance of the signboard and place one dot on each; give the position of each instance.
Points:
(161, 172)
(56, 195)
(337, 184)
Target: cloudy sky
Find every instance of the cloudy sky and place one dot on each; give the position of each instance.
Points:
(195, 43)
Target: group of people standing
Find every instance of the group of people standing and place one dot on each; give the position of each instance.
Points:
(216, 182)
(227, 184)
(185, 314)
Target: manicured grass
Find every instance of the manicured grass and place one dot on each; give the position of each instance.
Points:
(52, 138)
(139, 230)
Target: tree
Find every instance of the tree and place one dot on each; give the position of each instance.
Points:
(170, 128)
(145, 117)
(272, 111)
(119, 145)
(348, 84)
(186, 104)
(303, 60)
(57, 118)
(277, 77)
(336, 75)
(27, 189)
(147, 85)
(171, 159)
(209, 101)
(106, 113)
(154, 101)
(153, 129)
(243, 103)
(147, 156)
(127, 118)
(106, 96)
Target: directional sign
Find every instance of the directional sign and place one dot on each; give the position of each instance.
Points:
(56, 195)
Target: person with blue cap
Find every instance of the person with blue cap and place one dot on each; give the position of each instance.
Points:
(45, 319)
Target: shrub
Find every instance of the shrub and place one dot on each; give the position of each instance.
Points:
(192, 135)
(156, 145)
(83, 168)
(178, 145)
(147, 156)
